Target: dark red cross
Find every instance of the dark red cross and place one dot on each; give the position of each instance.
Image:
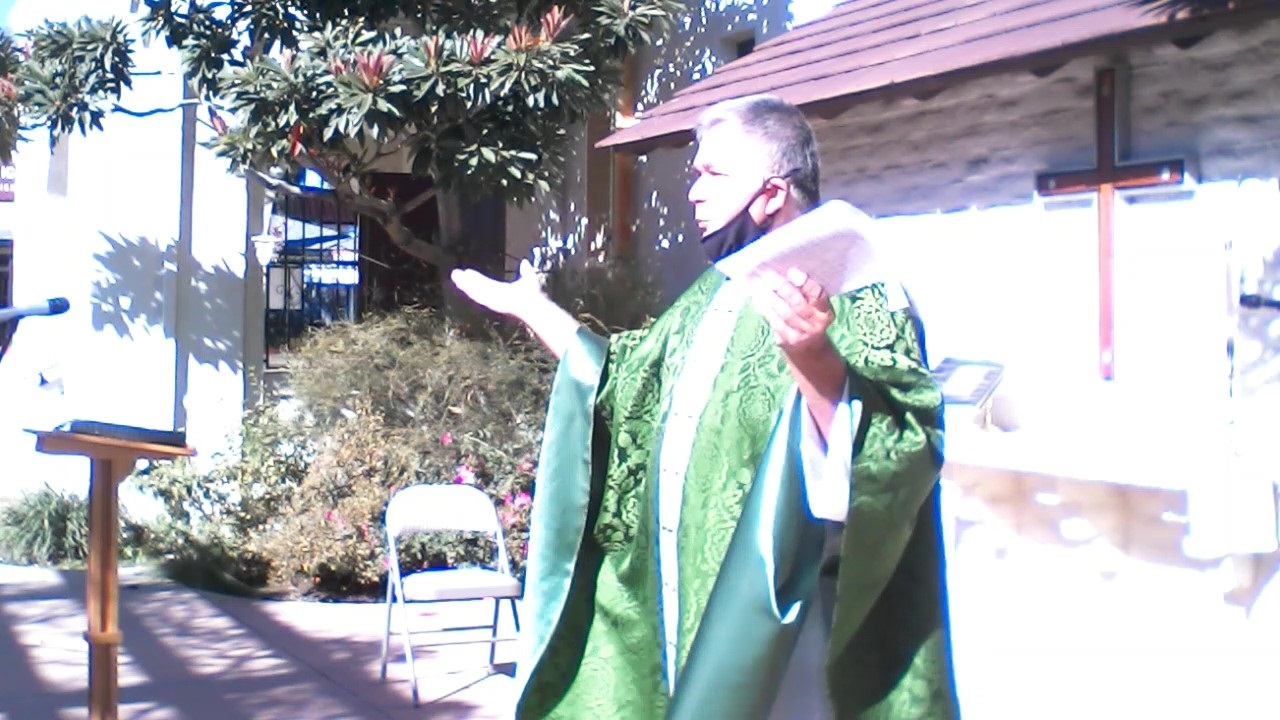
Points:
(1105, 178)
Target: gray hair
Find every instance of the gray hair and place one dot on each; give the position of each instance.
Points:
(784, 131)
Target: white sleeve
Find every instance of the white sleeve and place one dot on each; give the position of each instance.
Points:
(827, 467)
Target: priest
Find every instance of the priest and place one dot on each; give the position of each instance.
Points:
(736, 513)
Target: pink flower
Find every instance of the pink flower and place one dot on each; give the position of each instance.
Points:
(464, 475)
(525, 467)
(523, 500)
(446, 439)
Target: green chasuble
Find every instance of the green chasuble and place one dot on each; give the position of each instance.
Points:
(749, 554)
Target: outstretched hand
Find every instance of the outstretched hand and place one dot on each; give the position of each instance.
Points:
(506, 298)
(524, 300)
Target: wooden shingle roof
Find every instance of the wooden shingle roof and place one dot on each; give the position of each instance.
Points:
(866, 48)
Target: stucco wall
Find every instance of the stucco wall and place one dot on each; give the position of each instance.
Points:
(929, 169)
(1003, 275)
(981, 143)
(152, 261)
(663, 232)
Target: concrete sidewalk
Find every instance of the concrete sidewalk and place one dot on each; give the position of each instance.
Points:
(194, 655)
(1049, 623)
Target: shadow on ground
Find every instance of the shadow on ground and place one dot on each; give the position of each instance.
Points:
(191, 655)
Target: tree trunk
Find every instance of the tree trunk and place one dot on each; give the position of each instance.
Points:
(394, 272)
(474, 231)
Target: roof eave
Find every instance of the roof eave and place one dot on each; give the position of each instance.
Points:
(676, 130)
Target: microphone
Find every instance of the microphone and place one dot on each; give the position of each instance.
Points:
(54, 306)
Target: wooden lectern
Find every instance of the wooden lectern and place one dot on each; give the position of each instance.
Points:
(112, 460)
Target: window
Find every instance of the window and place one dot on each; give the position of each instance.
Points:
(744, 46)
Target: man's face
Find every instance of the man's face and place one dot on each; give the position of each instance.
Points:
(728, 168)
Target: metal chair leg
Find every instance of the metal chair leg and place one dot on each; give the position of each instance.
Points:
(515, 615)
(408, 651)
(493, 639)
(386, 635)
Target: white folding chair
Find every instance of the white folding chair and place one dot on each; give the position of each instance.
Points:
(435, 508)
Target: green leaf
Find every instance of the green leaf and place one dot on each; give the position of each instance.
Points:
(475, 125)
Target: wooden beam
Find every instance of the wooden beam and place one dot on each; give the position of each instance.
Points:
(1105, 177)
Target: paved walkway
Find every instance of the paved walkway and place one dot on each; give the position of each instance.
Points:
(1074, 601)
(193, 655)
(1050, 622)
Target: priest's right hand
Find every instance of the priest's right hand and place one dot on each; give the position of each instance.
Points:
(506, 298)
(524, 300)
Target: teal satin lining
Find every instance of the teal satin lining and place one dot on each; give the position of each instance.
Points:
(764, 589)
(562, 491)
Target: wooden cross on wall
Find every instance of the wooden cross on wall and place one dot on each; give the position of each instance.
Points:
(1107, 176)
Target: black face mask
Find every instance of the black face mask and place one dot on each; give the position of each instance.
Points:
(741, 231)
(738, 233)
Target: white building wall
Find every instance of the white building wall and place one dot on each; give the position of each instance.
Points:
(1002, 275)
(155, 334)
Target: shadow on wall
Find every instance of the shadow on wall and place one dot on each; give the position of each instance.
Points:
(707, 37)
(666, 236)
(137, 275)
(562, 213)
(710, 35)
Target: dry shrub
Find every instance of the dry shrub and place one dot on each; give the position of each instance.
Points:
(395, 400)
(409, 398)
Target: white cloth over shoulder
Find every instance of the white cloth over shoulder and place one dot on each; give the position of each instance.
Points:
(827, 466)
(830, 243)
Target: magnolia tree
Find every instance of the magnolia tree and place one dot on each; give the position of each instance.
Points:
(476, 95)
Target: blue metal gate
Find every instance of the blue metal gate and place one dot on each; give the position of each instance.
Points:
(314, 279)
